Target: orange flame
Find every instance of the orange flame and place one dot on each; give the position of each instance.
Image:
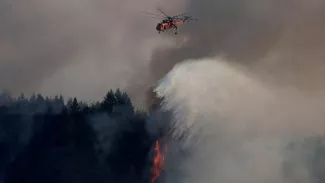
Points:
(159, 162)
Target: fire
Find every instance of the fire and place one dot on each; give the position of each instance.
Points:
(158, 162)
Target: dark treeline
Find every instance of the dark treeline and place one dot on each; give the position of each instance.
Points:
(49, 140)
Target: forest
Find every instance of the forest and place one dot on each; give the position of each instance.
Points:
(48, 139)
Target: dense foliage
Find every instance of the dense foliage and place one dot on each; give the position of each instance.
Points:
(49, 140)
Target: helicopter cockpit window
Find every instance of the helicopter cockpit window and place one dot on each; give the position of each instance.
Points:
(158, 27)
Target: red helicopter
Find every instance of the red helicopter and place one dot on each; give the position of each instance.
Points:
(170, 23)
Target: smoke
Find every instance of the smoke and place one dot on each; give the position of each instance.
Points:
(76, 48)
(239, 112)
(83, 49)
(281, 40)
(236, 124)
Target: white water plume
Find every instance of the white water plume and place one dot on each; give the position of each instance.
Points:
(237, 124)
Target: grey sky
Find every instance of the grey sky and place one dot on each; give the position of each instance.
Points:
(85, 48)
(75, 48)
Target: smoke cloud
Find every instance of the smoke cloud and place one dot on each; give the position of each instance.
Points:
(75, 48)
(236, 124)
(83, 49)
(281, 40)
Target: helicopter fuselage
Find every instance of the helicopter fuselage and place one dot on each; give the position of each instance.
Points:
(167, 25)
(170, 22)
(162, 27)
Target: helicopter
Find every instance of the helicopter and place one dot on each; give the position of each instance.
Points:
(170, 23)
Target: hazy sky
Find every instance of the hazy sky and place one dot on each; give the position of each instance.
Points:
(77, 48)
(285, 37)
(84, 48)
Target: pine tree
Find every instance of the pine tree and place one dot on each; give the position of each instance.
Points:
(74, 108)
(109, 102)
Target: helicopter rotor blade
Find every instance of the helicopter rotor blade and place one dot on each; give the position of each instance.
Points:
(160, 16)
(183, 14)
(162, 12)
(156, 18)
(191, 18)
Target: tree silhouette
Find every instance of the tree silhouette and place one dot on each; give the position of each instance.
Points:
(109, 102)
(63, 145)
(44, 139)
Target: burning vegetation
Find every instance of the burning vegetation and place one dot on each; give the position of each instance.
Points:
(160, 148)
(158, 161)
